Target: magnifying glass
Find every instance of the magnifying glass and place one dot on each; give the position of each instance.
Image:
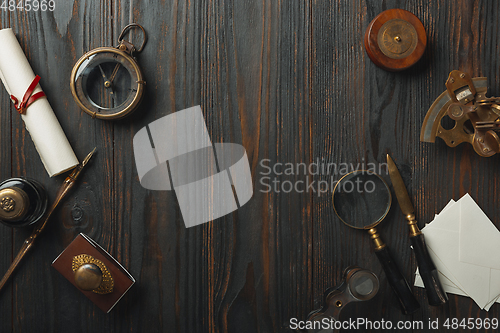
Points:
(362, 199)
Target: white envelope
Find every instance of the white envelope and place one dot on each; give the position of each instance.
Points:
(463, 244)
(445, 276)
(478, 233)
(451, 289)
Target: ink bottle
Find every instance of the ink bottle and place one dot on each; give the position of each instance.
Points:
(23, 201)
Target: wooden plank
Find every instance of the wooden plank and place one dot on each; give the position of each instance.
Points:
(354, 109)
(227, 60)
(89, 209)
(291, 140)
(153, 241)
(6, 253)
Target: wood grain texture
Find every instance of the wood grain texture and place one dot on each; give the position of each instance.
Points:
(291, 82)
(6, 234)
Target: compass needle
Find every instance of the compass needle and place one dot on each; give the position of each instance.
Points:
(102, 72)
(112, 77)
(107, 83)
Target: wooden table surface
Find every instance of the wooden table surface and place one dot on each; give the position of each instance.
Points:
(290, 81)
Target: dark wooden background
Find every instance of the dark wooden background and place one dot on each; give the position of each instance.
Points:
(288, 79)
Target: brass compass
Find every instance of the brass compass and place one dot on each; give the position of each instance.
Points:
(107, 82)
(395, 40)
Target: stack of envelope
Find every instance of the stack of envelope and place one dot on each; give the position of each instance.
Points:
(465, 247)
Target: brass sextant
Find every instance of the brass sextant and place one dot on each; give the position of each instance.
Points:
(474, 117)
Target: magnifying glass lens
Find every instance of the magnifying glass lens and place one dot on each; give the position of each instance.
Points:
(361, 199)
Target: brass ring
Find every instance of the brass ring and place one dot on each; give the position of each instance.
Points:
(129, 27)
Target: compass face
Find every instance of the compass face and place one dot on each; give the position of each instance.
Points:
(397, 38)
(107, 83)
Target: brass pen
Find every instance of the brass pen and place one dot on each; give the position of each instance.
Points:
(435, 292)
(66, 186)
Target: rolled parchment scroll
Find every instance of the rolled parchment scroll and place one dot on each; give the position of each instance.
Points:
(46, 132)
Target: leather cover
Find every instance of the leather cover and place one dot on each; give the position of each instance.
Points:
(85, 245)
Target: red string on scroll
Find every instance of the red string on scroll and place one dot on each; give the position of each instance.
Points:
(28, 98)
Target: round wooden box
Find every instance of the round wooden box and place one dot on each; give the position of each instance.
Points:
(395, 40)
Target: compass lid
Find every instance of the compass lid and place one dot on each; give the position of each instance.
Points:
(395, 40)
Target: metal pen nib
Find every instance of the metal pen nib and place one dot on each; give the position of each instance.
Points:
(76, 171)
(89, 156)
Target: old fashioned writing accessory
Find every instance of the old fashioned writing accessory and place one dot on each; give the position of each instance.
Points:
(91, 274)
(357, 285)
(427, 269)
(395, 40)
(23, 202)
(107, 82)
(463, 243)
(29, 97)
(30, 102)
(66, 186)
(463, 113)
(91, 269)
(361, 200)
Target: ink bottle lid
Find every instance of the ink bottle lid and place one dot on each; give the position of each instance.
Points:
(23, 201)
